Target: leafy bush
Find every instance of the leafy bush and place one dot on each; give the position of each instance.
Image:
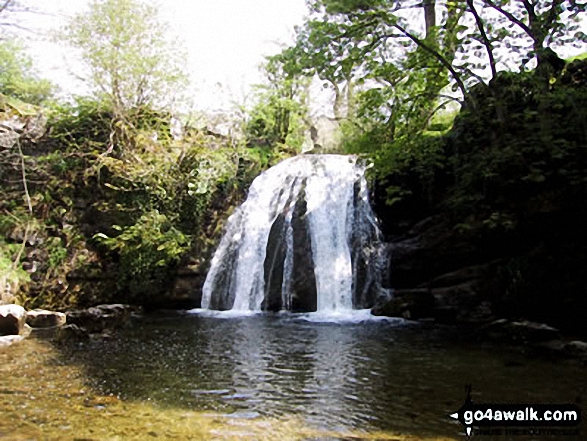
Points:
(146, 252)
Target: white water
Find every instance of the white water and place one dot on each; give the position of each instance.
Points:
(338, 216)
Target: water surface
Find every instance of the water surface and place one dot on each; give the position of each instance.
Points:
(357, 379)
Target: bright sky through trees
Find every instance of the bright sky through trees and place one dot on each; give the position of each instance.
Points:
(226, 41)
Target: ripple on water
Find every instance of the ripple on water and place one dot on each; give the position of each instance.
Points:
(371, 377)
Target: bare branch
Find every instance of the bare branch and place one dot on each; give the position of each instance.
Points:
(442, 60)
(486, 42)
(510, 16)
(5, 5)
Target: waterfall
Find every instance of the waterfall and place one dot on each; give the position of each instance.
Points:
(304, 240)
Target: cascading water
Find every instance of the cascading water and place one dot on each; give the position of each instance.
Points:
(305, 240)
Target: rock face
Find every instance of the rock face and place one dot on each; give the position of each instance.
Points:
(185, 294)
(41, 318)
(12, 319)
(303, 280)
(462, 296)
(412, 304)
(101, 317)
(480, 266)
(433, 252)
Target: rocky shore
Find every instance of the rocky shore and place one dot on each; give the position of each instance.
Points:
(16, 323)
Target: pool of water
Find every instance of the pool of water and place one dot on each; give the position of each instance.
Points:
(267, 374)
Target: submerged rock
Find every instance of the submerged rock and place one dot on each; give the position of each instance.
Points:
(12, 319)
(71, 333)
(100, 317)
(41, 318)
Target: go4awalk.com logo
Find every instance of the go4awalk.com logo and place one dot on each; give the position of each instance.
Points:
(553, 419)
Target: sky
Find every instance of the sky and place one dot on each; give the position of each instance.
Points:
(226, 42)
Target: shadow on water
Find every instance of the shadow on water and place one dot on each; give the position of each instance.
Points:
(371, 376)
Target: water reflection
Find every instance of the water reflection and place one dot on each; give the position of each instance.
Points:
(365, 376)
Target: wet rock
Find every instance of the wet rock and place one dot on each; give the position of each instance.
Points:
(576, 349)
(460, 303)
(303, 279)
(8, 340)
(407, 303)
(551, 347)
(519, 332)
(302, 284)
(12, 319)
(71, 333)
(371, 273)
(100, 317)
(274, 263)
(222, 297)
(41, 318)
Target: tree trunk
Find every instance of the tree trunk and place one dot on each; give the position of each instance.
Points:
(429, 17)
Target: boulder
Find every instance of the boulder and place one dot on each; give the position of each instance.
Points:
(41, 318)
(101, 317)
(519, 332)
(12, 319)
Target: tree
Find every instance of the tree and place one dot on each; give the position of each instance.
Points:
(402, 54)
(17, 76)
(278, 118)
(131, 60)
(7, 10)
(380, 65)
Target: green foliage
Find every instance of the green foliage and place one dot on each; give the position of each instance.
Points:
(539, 149)
(487, 172)
(18, 79)
(278, 120)
(146, 252)
(167, 196)
(12, 274)
(84, 125)
(132, 62)
(48, 252)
